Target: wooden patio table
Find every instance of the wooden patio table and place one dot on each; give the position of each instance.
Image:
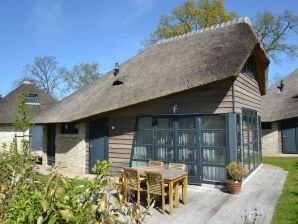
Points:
(172, 178)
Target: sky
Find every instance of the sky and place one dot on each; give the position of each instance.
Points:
(104, 32)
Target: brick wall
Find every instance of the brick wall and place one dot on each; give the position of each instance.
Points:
(271, 140)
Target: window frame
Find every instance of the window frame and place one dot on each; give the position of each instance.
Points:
(32, 95)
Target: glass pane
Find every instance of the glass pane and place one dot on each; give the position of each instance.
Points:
(210, 138)
(214, 156)
(164, 123)
(143, 137)
(145, 123)
(32, 99)
(213, 122)
(165, 138)
(192, 169)
(245, 152)
(214, 173)
(138, 163)
(142, 152)
(165, 153)
(186, 138)
(186, 123)
(187, 154)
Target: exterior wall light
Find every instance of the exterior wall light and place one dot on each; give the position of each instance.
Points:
(175, 108)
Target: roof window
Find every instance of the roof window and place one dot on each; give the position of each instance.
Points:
(32, 99)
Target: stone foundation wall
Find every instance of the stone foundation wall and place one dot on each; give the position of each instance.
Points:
(71, 149)
(271, 140)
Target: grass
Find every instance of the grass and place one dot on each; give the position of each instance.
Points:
(286, 210)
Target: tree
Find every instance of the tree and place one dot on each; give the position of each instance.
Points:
(273, 32)
(45, 73)
(81, 76)
(190, 16)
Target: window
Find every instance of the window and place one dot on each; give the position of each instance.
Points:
(69, 128)
(266, 125)
(32, 99)
(198, 141)
(250, 68)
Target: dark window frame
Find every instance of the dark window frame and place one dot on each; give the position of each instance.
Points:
(33, 98)
(250, 68)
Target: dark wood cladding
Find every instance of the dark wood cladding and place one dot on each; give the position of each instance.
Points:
(246, 93)
(215, 98)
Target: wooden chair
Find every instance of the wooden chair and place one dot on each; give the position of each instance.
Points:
(133, 182)
(156, 164)
(182, 167)
(156, 187)
(177, 166)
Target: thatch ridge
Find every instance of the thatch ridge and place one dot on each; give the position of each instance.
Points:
(279, 105)
(170, 67)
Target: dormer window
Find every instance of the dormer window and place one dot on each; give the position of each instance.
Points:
(32, 99)
(117, 83)
(250, 68)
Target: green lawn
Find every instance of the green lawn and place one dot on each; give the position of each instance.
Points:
(286, 210)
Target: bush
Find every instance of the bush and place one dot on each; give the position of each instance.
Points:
(28, 197)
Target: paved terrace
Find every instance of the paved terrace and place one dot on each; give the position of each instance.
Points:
(211, 205)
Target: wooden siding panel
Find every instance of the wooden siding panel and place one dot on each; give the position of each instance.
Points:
(215, 98)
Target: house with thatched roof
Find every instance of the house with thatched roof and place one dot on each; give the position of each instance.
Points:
(280, 117)
(192, 99)
(36, 100)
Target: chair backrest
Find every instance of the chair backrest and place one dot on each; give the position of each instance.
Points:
(132, 178)
(177, 166)
(155, 182)
(157, 164)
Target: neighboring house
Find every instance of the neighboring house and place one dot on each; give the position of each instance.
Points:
(184, 100)
(37, 100)
(280, 117)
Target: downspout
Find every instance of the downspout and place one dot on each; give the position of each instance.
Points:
(233, 96)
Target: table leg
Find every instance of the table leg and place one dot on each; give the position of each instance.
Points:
(184, 190)
(171, 197)
(176, 194)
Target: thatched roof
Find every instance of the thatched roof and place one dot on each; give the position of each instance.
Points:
(279, 105)
(172, 66)
(8, 104)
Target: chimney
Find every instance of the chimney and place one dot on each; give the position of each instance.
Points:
(116, 70)
(281, 86)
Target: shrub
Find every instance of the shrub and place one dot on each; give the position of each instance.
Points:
(28, 197)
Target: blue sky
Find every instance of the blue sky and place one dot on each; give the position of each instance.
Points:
(96, 31)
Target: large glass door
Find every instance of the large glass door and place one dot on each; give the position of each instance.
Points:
(198, 141)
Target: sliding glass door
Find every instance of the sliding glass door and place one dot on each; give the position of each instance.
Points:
(198, 141)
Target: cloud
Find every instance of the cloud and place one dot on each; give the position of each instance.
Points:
(48, 18)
